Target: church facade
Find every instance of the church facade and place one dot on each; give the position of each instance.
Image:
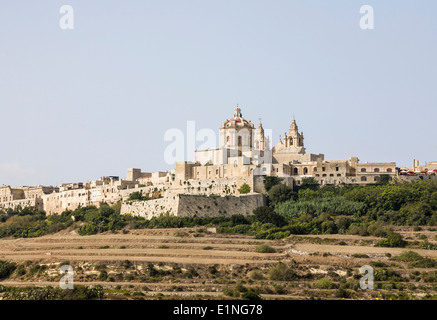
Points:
(245, 151)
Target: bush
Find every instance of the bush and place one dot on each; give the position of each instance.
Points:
(324, 283)
(267, 215)
(424, 263)
(245, 188)
(255, 275)
(271, 181)
(281, 272)
(394, 240)
(6, 269)
(251, 295)
(264, 248)
(55, 293)
(408, 256)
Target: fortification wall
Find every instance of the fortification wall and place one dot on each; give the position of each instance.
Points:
(195, 205)
(190, 206)
(215, 186)
(151, 208)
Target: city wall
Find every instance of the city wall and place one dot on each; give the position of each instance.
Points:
(194, 205)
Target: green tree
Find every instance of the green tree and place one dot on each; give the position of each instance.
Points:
(271, 181)
(280, 193)
(267, 215)
(245, 188)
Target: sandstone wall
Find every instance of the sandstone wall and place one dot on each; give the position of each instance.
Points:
(192, 205)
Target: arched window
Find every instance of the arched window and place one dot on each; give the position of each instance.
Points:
(315, 169)
(376, 170)
(295, 171)
(324, 175)
(240, 141)
(389, 170)
(363, 179)
(376, 178)
(363, 170)
(305, 170)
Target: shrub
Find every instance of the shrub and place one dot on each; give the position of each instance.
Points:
(267, 215)
(424, 263)
(6, 269)
(408, 256)
(393, 240)
(324, 283)
(245, 188)
(281, 272)
(251, 295)
(255, 275)
(264, 248)
(271, 181)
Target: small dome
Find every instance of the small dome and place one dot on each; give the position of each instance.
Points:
(237, 121)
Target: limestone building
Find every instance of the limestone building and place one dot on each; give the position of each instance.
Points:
(244, 156)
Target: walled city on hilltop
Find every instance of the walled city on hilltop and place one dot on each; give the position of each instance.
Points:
(209, 185)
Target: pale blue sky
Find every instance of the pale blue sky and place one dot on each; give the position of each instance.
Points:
(79, 104)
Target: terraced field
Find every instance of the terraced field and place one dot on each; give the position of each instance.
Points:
(201, 264)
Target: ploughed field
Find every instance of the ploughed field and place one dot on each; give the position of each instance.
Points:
(197, 263)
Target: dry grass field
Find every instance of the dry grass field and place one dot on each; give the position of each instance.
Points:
(198, 263)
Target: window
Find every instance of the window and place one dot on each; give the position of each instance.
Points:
(376, 178)
(376, 170)
(324, 175)
(323, 168)
(305, 170)
(331, 175)
(339, 175)
(363, 170)
(239, 141)
(235, 163)
(336, 168)
(295, 171)
(216, 171)
(277, 169)
(363, 179)
(389, 170)
(315, 169)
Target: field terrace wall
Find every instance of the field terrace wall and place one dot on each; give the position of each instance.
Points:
(194, 205)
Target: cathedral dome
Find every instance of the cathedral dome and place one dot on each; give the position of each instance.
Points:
(237, 121)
